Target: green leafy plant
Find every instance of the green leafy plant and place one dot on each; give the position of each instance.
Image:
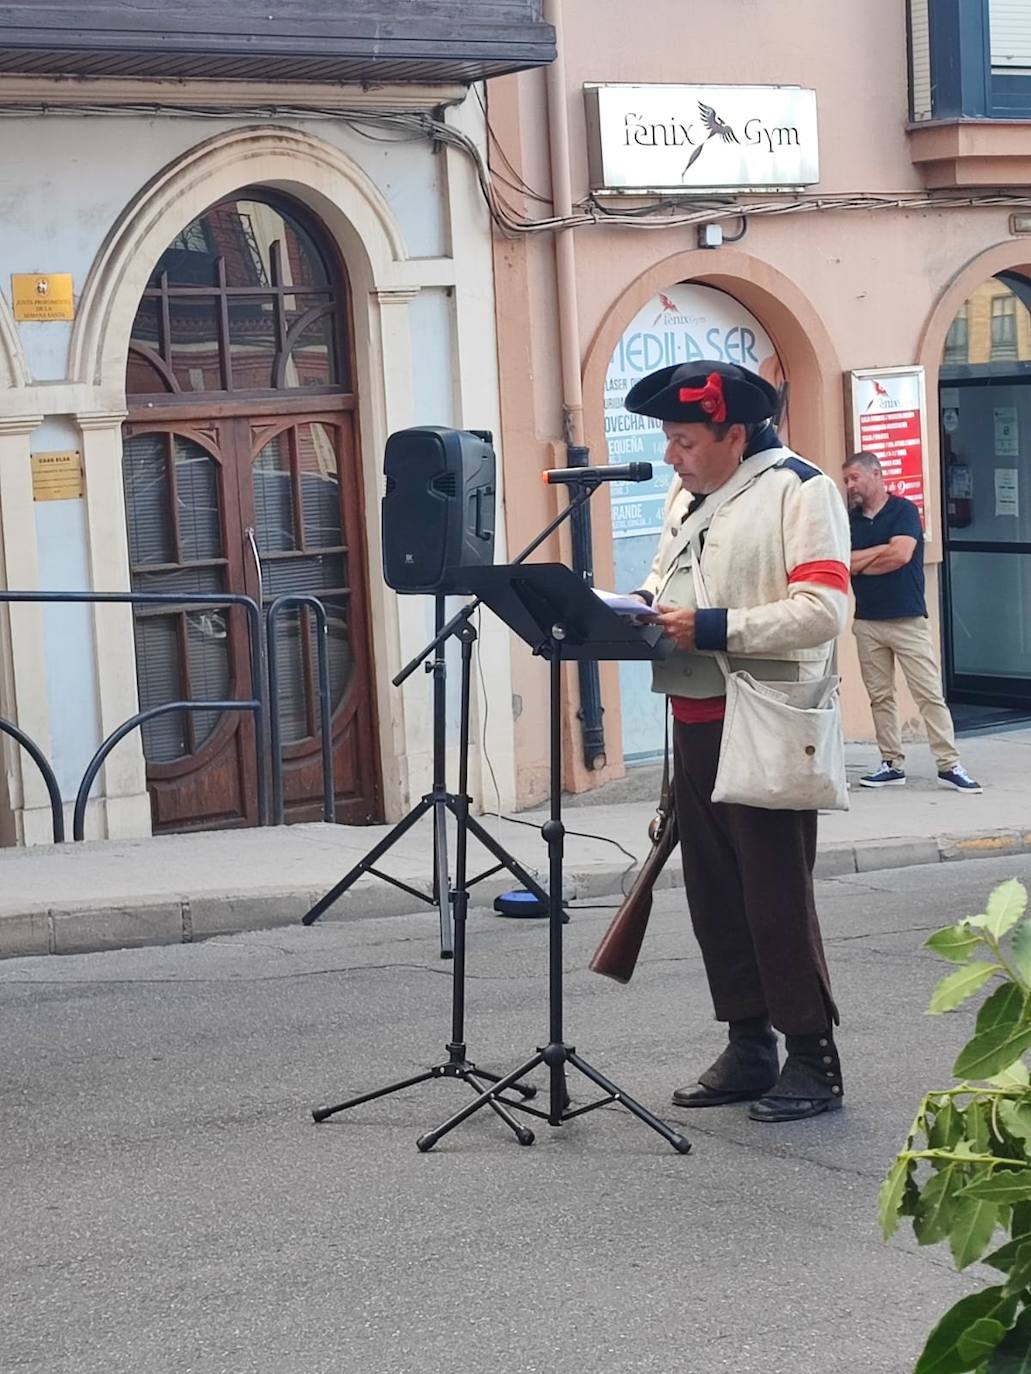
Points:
(964, 1177)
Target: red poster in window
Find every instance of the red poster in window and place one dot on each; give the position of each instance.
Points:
(889, 420)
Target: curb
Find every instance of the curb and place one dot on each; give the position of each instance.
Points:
(88, 928)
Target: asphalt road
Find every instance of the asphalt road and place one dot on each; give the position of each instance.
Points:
(168, 1205)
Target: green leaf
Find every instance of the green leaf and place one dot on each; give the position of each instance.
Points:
(1005, 1257)
(1002, 1186)
(952, 991)
(910, 1204)
(1006, 905)
(889, 1199)
(936, 1208)
(968, 1149)
(1021, 1223)
(993, 1051)
(980, 1339)
(1021, 951)
(1015, 1076)
(1016, 1118)
(1013, 1354)
(972, 1229)
(941, 1354)
(1003, 1008)
(1019, 1277)
(976, 1126)
(955, 943)
(947, 1127)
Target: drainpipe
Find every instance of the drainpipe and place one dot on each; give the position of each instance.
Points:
(577, 454)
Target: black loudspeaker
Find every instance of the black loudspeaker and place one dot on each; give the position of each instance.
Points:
(438, 510)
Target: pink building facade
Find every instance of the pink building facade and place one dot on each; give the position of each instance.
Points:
(874, 228)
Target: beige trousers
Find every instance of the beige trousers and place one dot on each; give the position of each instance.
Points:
(907, 642)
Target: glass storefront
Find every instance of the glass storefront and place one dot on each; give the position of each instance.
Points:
(985, 411)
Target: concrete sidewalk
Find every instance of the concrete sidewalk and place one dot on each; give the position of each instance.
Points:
(76, 898)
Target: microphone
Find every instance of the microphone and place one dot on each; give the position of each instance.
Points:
(590, 477)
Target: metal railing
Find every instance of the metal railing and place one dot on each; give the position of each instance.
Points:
(281, 603)
(263, 704)
(49, 777)
(256, 705)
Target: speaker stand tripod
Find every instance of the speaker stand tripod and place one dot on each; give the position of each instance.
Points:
(528, 600)
(457, 1065)
(438, 800)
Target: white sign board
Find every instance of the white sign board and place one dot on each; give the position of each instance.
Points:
(662, 138)
(680, 325)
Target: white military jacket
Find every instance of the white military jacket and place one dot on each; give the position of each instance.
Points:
(775, 559)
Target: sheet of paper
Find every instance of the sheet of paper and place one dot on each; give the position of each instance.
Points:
(1007, 432)
(1007, 491)
(626, 605)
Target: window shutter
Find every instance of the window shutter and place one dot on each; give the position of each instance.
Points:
(1010, 22)
(919, 60)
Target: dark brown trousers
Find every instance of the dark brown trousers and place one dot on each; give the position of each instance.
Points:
(749, 879)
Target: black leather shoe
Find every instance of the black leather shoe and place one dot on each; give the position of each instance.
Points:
(701, 1096)
(809, 1085)
(745, 1070)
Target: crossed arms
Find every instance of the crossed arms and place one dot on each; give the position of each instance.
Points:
(884, 558)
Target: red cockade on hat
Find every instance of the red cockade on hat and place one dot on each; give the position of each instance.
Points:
(710, 397)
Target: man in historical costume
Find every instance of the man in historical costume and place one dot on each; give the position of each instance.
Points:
(774, 540)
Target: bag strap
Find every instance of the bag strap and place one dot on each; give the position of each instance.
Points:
(701, 518)
(701, 596)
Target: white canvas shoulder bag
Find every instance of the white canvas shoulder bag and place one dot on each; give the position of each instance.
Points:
(782, 746)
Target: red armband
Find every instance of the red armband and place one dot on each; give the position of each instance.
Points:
(825, 573)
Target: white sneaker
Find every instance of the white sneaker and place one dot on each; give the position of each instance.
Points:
(959, 779)
(884, 776)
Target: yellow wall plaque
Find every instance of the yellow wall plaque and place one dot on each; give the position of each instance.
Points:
(43, 296)
(56, 476)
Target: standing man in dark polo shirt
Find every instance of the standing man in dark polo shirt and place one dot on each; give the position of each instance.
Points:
(891, 625)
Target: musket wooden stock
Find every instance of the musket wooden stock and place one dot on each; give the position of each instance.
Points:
(616, 956)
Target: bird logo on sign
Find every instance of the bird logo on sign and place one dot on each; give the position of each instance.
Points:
(716, 128)
(667, 307)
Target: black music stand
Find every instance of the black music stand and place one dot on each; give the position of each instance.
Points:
(452, 900)
(557, 614)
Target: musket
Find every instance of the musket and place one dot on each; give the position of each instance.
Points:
(616, 956)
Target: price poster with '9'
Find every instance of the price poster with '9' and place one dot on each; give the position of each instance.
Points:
(889, 419)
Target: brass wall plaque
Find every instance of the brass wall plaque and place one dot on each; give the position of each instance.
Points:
(57, 476)
(43, 296)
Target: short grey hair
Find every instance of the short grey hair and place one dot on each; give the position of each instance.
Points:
(866, 460)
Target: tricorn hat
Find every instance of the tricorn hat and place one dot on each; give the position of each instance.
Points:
(704, 391)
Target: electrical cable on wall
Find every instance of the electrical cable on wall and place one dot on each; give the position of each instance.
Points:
(406, 126)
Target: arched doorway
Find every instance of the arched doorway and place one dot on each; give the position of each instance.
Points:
(686, 321)
(984, 396)
(241, 474)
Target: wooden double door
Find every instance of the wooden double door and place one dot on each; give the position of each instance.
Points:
(261, 502)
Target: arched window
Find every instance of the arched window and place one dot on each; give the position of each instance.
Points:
(242, 301)
(991, 331)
